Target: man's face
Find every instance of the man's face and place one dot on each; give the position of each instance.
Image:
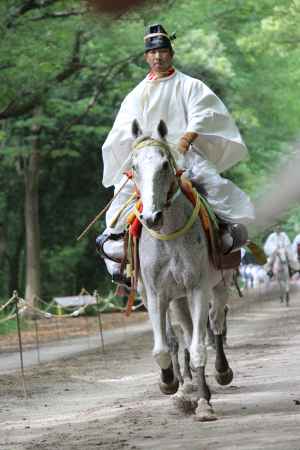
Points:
(159, 59)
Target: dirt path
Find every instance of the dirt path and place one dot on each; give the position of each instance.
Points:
(10, 361)
(112, 401)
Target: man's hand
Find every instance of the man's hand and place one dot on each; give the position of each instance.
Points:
(185, 141)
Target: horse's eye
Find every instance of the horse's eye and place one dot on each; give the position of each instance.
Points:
(165, 165)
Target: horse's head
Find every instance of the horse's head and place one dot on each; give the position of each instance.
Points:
(153, 171)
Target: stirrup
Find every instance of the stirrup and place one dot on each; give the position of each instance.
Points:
(120, 278)
(102, 239)
(236, 233)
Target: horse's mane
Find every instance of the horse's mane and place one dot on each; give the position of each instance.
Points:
(146, 137)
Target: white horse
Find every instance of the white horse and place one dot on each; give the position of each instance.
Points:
(177, 279)
(281, 273)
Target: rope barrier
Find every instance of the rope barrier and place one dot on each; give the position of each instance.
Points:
(48, 305)
(24, 306)
(11, 300)
(6, 319)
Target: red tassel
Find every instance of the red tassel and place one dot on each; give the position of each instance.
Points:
(129, 174)
(130, 302)
(136, 226)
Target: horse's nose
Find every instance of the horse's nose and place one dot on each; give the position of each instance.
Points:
(153, 220)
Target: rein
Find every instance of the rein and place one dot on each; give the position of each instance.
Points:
(177, 233)
(282, 261)
(181, 231)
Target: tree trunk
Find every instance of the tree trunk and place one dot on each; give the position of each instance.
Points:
(14, 264)
(32, 225)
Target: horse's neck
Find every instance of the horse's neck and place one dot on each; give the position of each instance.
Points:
(177, 214)
(279, 262)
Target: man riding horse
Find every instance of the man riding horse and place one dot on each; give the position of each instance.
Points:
(203, 138)
(276, 241)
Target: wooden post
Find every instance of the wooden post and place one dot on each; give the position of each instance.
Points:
(99, 320)
(87, 329)
(37, 340)
(15, 294)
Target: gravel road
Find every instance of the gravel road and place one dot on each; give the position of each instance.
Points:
(111, 401)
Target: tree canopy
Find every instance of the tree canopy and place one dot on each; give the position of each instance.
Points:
(63, 74)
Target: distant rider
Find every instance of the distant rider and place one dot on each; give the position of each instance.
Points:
(275, 241)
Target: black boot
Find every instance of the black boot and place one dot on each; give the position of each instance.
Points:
(233, 236)
(118, 275)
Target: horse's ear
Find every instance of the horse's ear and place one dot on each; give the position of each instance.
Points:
(162, 129)
(136, 129)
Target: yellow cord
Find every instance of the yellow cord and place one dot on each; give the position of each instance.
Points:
(177, 233)
(117, 215)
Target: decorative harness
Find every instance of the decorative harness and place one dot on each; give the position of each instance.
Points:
(200, 210)
(181, 231)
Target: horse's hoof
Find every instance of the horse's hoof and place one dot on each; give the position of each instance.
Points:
(224, 378)
(169, 388)
(205, 412)
(183, 404)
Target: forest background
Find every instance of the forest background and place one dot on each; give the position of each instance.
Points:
(63, 75)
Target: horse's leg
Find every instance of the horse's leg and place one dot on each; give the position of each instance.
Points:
(224, 333)
(183, 398)
(210, 336)
(287, 288)
(287, 298)
(198, 300)
(170, 377)
(223, 374)
(181, 314)
(157, 309)
(281, 288)
(168, 383)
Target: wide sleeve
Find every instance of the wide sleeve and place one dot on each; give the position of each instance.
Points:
(117, 147)
(219, 139)
(270, 244)
(287, 241)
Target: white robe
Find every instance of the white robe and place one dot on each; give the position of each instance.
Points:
(186, 105)
(276, 241)
(295, 244)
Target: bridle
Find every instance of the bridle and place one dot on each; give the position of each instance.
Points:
(174, 192)
(282, 261)
(175, 187)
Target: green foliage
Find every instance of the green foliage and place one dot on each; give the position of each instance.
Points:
(6, 327)
(76, 69)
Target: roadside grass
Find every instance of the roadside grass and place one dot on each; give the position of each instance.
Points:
(10, 326)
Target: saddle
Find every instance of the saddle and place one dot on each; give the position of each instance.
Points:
(209, 223)
(211, 227)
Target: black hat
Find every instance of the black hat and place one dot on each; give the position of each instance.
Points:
(157, 37)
